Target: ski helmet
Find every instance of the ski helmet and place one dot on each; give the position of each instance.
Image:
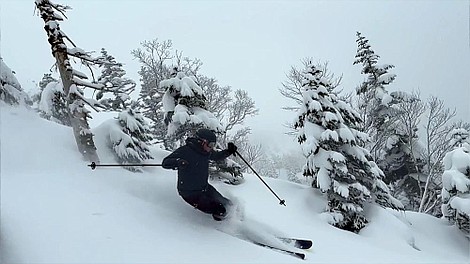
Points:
(206, 134)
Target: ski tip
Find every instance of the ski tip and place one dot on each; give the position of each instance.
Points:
(300, 255)
(304, 244)
(298, 243)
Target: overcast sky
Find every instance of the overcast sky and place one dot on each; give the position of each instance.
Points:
(251, 45)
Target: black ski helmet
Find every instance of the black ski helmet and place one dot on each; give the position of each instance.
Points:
(206, 134)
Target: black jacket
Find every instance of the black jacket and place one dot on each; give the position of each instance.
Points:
(194, 176)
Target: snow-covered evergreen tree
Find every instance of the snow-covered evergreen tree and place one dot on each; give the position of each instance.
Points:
(52, 105)
(157, 59)
(10, 89)
(456, 183)
(185, 112)
(113, 81)
(184, 106)
(374, 99)
(361, 159)
(46, 79)
(391, 120)
(459, 138)
(36, 97)
(130, 138)
(338, 164)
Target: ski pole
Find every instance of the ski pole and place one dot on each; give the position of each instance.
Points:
(281, 202)
(93, 165)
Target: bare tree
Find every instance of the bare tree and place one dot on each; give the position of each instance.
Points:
(252, 153)
(437, 135)
(409, 112)
(73, 80)
(153, 57)
(402, 163)
(218, 97)
(158, 62)
(267, 166)
(232, 108)
(239, 109)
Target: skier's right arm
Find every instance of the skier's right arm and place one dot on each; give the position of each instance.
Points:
(174, 161)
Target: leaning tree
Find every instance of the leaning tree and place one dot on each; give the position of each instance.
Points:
(74, 82)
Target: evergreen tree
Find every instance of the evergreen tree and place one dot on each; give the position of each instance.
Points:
(185, 112)
(185, 108)
(391, 121)
(361, 162)
(157, 59)
(53, 105)
(374, 100)
(292, 87)
(10, 89)
(113, 81)
(130, 139)
(459, 138)
(340, 167)
(46, 79)
(456, 183)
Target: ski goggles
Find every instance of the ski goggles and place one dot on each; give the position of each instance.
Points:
(209, 144)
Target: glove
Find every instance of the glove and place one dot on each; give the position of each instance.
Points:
(182, 163)
(231, 148)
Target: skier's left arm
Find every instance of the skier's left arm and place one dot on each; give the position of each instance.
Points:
(220, 155)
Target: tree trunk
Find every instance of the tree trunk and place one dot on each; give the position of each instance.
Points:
(78, 118)
(75, 105)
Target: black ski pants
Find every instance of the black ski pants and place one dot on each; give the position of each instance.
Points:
(209, 201)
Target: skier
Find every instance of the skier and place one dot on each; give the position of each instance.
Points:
(192, 163)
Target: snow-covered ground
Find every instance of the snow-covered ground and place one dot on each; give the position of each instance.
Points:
(55, 209)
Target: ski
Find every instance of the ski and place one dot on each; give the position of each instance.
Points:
(285, 251)
(298, 243)
(263, 244)
(258, 234)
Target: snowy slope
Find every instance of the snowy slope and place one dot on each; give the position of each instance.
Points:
(55, 209)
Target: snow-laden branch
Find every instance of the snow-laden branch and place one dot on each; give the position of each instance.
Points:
(79, 74)
(96, 86)
(91, 102)
(46, 7)
(82, 55)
